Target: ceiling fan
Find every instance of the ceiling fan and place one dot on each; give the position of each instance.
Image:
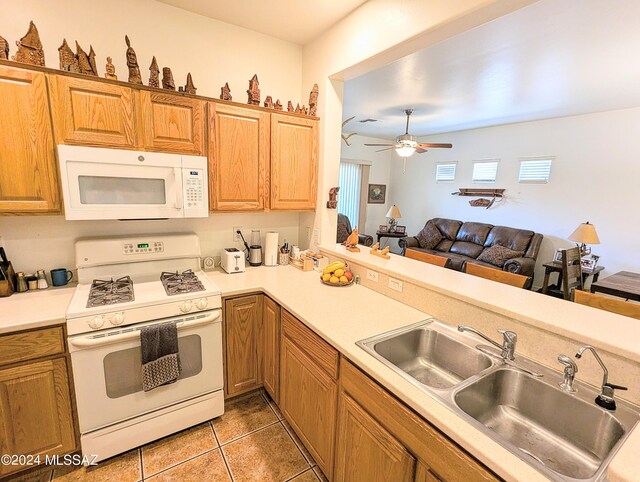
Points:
(406, 144)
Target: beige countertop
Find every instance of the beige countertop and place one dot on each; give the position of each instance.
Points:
(342, 316)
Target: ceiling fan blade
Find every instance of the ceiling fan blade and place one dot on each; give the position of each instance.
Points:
(425, 145)
(420, 150)
(379, 145)
(385, 149)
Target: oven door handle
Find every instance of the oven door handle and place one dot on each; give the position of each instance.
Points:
(90, 341)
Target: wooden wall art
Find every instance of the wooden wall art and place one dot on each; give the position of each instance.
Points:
(154, 74)
(254, 91)
(290, 107)
(313, 100)
(30, 48)
(110, 70)
(4, 49)
(167, 79)
(268, 102)
(225, 92)
(278, 105)
(189, 88)
(495, 194)
(332, 203)
(132, 63)
(68, 60)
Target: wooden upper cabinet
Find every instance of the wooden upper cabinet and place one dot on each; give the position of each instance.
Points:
(28, 173)
(238, 158)
(93, 113)
(294, 162)
(172, 123)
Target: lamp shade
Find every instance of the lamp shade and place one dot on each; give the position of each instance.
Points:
(585, 234)
(394, 212)
(405, 151)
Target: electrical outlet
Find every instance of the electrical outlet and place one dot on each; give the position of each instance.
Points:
(372, 275)
(395, 284)
(236, 236)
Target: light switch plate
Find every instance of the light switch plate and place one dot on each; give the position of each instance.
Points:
(395, 284)
(372, 275)
(316, 236)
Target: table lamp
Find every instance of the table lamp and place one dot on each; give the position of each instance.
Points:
(393, 214)
(585, 234)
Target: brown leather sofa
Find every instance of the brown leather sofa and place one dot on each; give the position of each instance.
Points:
(464, 242)
(344, 230)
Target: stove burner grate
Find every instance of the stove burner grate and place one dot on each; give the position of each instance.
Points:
(178, 283)
(109, 292)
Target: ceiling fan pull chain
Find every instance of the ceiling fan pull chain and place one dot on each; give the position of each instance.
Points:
(404, 165)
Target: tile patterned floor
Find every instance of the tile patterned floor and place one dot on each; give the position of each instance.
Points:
(250, 442)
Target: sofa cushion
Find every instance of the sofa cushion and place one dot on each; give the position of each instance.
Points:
(448, 227)
(474, 232)
(444, 246)
(466, 248)
(430, 236)
(498, 255)
(457, 261)
(516, 239)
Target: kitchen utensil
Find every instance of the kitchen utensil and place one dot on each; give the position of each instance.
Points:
(9, 273)
(21, 283)
(42, 280)
(61, 276)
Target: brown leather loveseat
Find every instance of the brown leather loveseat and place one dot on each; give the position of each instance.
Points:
(498, 247)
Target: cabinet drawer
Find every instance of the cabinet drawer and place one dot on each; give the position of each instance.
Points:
(323, 354)
(28, 345)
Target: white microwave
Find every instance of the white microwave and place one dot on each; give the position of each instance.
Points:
(117, 184)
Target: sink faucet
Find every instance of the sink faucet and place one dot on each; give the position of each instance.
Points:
(605, 399)
(508, 347)
(570, 370)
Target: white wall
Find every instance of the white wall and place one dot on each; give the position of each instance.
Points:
(379, 173)
(593, 178)
(214, 52)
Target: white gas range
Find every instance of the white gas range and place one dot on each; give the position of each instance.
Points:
(126, 283)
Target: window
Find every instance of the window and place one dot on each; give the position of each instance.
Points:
(349, 194)
(484, 172)
(535, 170)
(446, 171)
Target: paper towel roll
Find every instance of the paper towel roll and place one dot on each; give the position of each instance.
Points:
(271, 249)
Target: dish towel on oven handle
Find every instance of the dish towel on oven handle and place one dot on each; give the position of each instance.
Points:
(160, 357)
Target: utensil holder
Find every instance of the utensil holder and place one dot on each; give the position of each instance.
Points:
(283, 259)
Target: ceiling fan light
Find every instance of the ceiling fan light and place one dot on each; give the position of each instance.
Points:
(405, 151)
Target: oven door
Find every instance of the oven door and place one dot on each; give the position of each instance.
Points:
(107, 370)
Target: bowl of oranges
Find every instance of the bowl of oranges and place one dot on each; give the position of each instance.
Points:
(337, 274)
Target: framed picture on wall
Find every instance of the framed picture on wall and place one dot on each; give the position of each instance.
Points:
(377, 193)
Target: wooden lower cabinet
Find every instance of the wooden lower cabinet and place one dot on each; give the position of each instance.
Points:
(271, 347)
(35, 410)
(242, 328)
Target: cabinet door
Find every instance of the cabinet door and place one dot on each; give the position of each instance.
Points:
(365, 451)
(172, 123)
(294, 162)
(28, 172)
(308, 398)
(243, 319)
(238, 158)
(93, 113)
(271, 347)
(35, 410)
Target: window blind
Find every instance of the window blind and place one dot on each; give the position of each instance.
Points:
(485, 172)
(446, 171)
(349, 194)
(535, 170)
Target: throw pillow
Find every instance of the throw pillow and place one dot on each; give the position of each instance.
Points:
(498, 255)
(430, 236)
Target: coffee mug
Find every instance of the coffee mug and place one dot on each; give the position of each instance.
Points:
(61, 276)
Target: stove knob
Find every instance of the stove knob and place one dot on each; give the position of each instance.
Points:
(202, 303)
(96, 322)
(186, 306)
(117, 319)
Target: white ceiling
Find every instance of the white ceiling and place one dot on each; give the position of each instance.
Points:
(551, 59)
(297, 21)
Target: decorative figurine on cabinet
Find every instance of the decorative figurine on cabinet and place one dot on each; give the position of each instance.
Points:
(278, 105)
(30, 48)
(154, 74)
(92, 61)
(189, 88)
(290, 107)
(4, 49)
(254, 91)
(167, 79)
(298, 109)
(268, 102)
(225, 92)
(132, 63)
(84, 66)
(332, 203)
(110, 70)
(313, 100)
(68, 60)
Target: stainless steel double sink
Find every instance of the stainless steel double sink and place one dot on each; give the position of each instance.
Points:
(566, 436)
